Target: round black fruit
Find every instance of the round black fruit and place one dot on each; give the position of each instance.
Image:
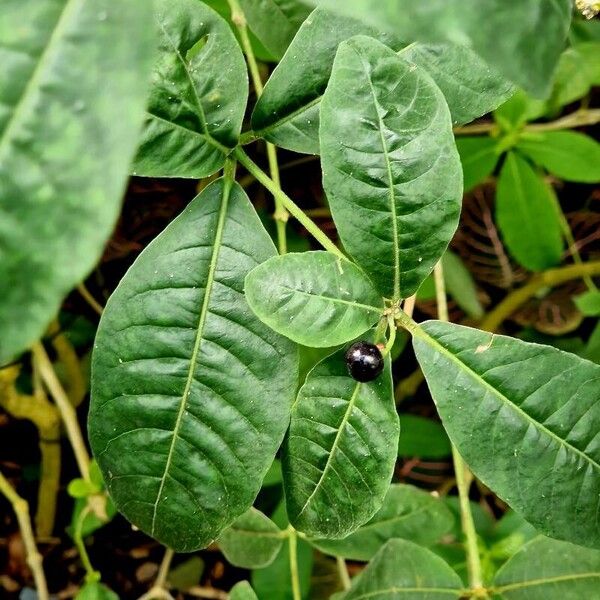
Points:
(364, 361)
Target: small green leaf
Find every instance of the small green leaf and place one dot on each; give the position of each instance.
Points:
(340, 451)
(252, 542)
(198, 96)
(567, 154)
(589, 303)
(518, 110)
(72, 93)
(242, 591)
(314, 298)
(390, 166)
(479, 156)
(546, 569)
(423, 438)
(525, 418)
(407, 513)
(527, 215)
(404, 569)
(95, 591)
(461, 286)
(80, 488)
(91, 522)
(191, 393)
(186, 574)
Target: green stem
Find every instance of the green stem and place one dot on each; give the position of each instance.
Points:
(286, 201)
(463, 475)
(280, 215)
(295, 577)
(343, 571)
(392, 329)
(91, 575)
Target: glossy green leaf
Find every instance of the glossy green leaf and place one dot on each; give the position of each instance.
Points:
(390, 166)
(423, 438)
(402, 569)
(242, 591)
(339, 454)
(589, 303)
(199, 93)
(525, 417)
(287, 113)
(461, 285)
(191, 393)
(546, 569)
(567, 154)
(479, 156)
(252, 542)
(523, 40)
(63, 154)
(407, 513)
(274, 22)
(527, 215)
(314, 298)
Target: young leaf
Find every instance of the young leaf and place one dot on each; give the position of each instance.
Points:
(403, 569)
(407, 513)
(390, 166)
(567, 154)
(314, 298)
(199, 93)
(191, 393)
(523, 40)
(287, 113)
(517, 110)
(63, 154)
(95, 591)
(242, 591)
(274, 22)
(252, 542)
(340, 452)
(460, 285)
(589, 303)
(526, 212)
(546, 569)
(423, 438)
(525, 417)
(479, 157)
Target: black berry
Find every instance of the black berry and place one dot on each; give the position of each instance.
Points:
(364, 361)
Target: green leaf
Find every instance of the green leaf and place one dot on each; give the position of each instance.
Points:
(186, 574)
(407, 513)
(523, 41)
(423, 438)
(339, 454)
(460, 285)
(274, 22)
(95, 591)
(547, 569)
(252, 542)
(403, 569)
(91, 522)
(518, 110)
(567, 154)
(199, 93)
(287, 113)
(242, 591)
(588, 303)
(527, 215)
(191, 393)
(81, 488)
(390, 166)
(314, 298)
(525, 418)
(63, 154)
(479, 156)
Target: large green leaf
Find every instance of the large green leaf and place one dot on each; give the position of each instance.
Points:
(546, 569)
(402, 569)
(525, 417)
(252, 542)
(391, 170)
(199, 93)
(523, 40)
(275, 22)
(340, 451)
(527, 215)
(567, 154)
(314, 298)
(63, 154)
(407, 513)
(191, 393)
(287, 113)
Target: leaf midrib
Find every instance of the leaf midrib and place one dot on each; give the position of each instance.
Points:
(38, 71)
(431, 341)
(366, 307)
(546, 581)
(197, 342)
(409, 590)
